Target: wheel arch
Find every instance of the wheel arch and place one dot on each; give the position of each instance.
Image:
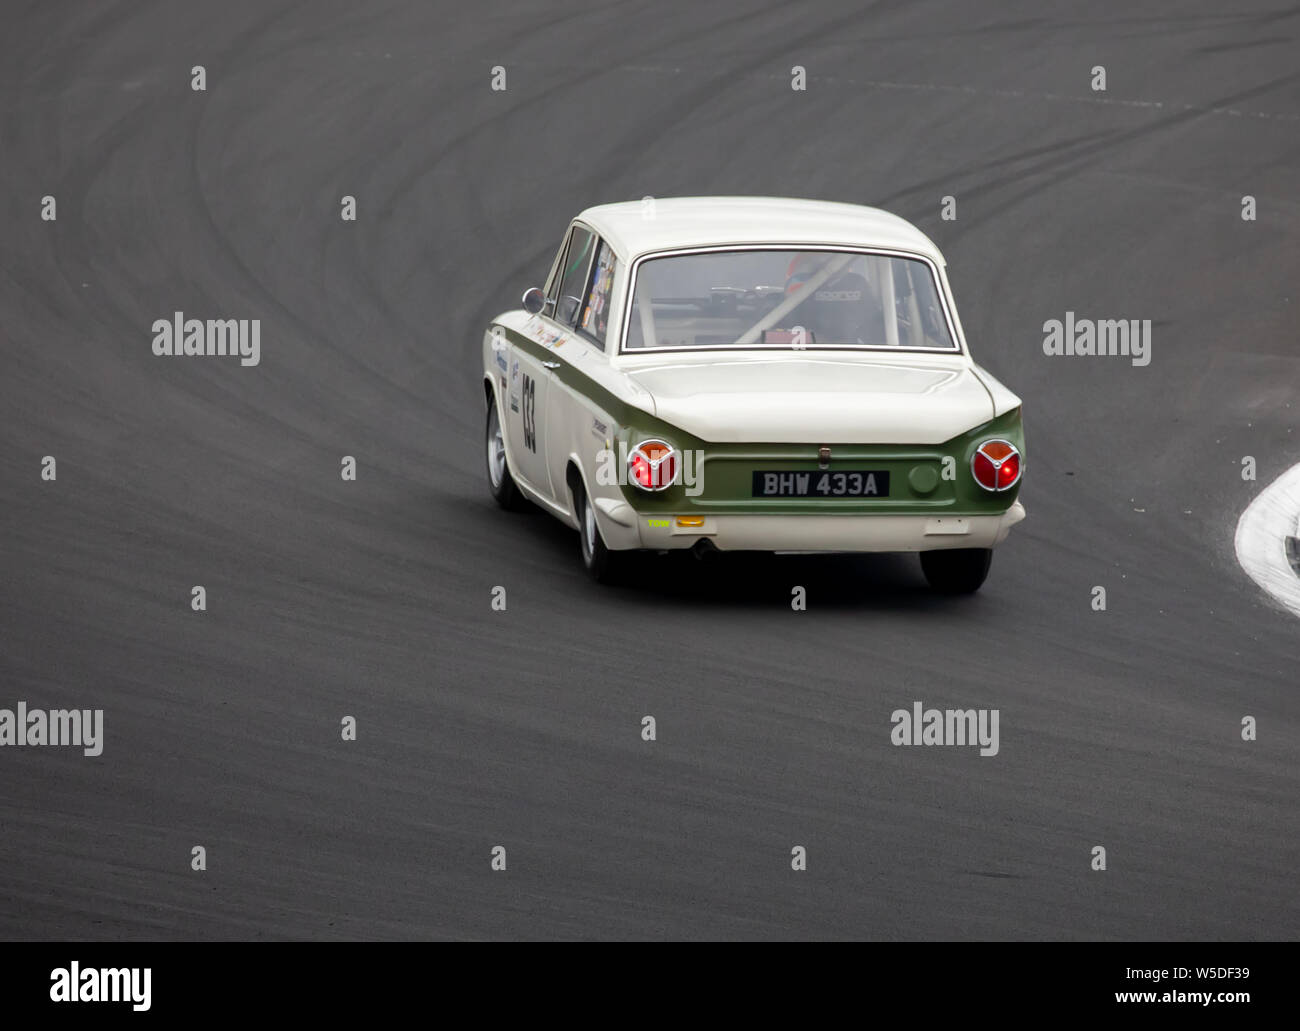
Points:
(618, 536)
(573, 478)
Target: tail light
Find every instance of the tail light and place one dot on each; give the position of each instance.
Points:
(996, 465)
(652, 465)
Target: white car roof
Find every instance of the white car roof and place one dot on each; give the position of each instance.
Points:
(634, 228)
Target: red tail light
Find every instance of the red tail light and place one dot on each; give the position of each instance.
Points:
(652, 465)
(996, 465)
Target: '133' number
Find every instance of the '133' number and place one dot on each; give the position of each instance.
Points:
(530, 413)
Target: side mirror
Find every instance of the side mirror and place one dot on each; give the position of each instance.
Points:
(534, 300)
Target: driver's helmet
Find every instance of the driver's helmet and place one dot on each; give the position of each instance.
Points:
(801, 268)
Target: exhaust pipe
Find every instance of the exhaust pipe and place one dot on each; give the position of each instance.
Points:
(703, 548)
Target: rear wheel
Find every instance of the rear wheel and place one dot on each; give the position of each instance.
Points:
(956, 571)
(604, 566)
(500, 482)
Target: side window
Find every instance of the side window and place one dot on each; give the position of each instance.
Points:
(573, 275)
(557, 273)
(595, 310)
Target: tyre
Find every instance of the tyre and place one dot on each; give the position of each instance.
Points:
(500, 482)
(604, 566)
(956, 571)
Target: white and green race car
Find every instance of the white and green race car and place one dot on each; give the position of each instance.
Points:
(752, 373)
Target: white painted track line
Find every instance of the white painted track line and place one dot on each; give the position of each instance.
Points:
(1261, 538)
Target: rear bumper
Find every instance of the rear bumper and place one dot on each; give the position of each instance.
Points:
(623, 528)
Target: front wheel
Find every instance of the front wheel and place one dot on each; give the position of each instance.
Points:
(604, 566)
(500, 482)
(956, 571)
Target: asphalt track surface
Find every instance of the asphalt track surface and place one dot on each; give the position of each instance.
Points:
(522, 728)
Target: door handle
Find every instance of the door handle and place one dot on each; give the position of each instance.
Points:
(550, 365)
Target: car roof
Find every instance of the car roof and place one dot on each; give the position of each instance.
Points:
(634, 228)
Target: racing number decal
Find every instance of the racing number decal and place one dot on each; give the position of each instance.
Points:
(530, 413)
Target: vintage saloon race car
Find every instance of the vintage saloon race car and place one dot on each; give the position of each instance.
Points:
(756, 374)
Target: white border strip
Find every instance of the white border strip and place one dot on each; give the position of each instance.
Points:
(1261, 538)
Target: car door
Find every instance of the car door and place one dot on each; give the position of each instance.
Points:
(527, 389)
(573, 417)
(532, 363)
(529, 377)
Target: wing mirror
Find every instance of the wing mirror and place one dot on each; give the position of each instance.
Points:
(534, 300)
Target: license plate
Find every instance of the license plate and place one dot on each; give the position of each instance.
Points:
(842, 483)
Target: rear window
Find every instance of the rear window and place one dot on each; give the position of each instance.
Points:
(786, 298)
